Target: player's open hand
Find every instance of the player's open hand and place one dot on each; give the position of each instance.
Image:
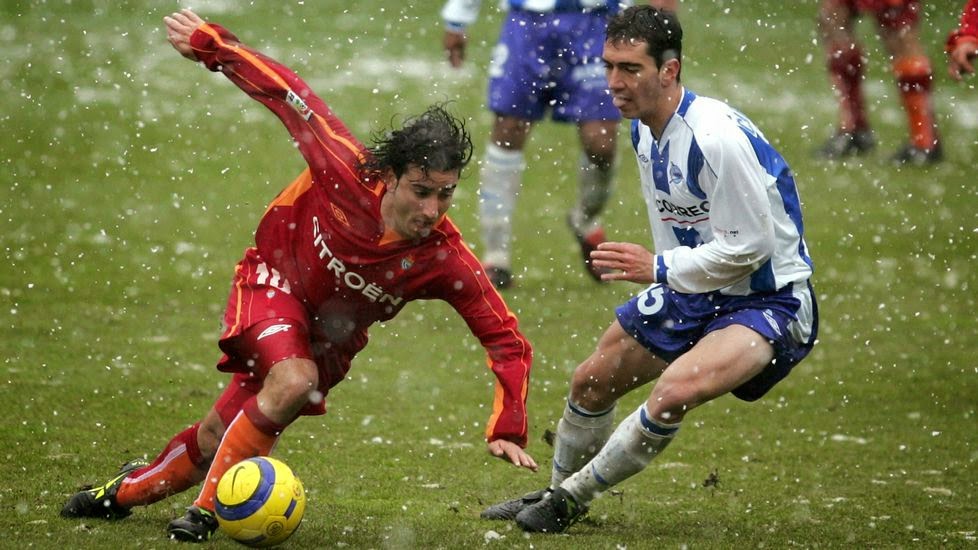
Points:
(507, 450)
(454, 44)
(179, 27)
(962, 59)
(627, 262)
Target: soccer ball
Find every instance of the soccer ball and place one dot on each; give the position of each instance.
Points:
(259, 502)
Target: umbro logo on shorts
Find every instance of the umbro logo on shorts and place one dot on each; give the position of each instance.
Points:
(274, 329)
(769, 316)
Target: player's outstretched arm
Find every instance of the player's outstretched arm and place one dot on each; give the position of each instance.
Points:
(179, 27)
(507, 450)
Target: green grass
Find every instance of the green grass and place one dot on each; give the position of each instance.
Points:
(132, 180)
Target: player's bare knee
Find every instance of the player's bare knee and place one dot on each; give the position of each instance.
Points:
(297, 390)
(671, 400)
(591, 390)
(668, 412)
(291, 384)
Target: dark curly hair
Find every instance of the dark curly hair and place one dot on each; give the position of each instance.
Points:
(434, 140)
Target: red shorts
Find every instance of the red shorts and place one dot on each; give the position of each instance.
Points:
(264, 324)
(892, 14)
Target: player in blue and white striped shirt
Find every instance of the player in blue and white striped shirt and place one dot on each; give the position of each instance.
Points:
(730, 308)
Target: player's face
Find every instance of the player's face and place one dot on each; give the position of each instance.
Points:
(418, 200)
(635, 81)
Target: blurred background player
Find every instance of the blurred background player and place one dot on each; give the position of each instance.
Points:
(962, 43)
(359, 234)
(729, 309)
(547, 58)
(898, 25)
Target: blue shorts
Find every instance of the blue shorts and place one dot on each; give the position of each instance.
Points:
(669, 324)
(551, 60)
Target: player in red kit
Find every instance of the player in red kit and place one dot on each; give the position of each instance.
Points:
(898, 24)
(962, 43)
(359, 234)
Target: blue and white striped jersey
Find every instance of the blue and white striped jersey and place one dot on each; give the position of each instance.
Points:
(722, 203)
(465, 12)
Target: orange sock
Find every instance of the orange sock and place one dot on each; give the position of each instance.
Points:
(914, 78)
(176, 469)
(251, 433)
(845, 65)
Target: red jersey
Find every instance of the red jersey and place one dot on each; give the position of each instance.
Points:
(323, 241)
(968, 30)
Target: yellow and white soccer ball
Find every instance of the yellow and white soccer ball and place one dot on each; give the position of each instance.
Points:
(259, 502)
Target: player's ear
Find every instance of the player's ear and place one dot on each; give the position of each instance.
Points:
(390, 180)
(670, 71)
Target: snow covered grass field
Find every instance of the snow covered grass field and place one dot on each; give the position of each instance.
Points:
(131, 181)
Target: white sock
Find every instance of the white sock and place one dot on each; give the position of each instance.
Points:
(595, 184)
(580, 435)
(628, 451)
(500, 178)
